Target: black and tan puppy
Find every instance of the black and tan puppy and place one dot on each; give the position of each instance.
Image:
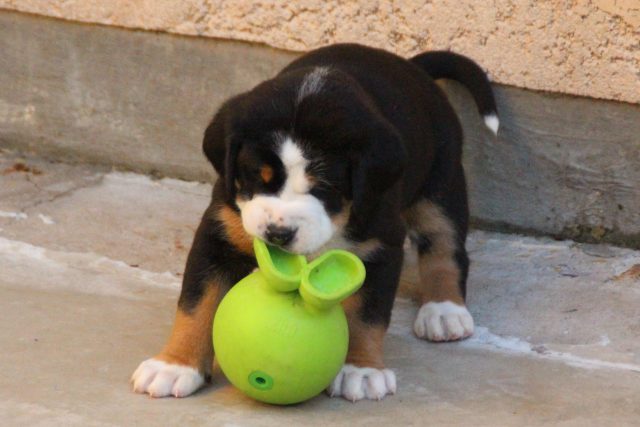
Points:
(348, 147)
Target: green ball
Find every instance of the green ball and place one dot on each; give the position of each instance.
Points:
(280, 335)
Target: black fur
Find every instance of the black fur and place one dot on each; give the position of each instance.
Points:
(380, 135)
(449, 65)
(212, 259)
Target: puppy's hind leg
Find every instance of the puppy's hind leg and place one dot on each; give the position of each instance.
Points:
(443, 267)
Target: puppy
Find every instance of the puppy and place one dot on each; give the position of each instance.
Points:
(348, 147)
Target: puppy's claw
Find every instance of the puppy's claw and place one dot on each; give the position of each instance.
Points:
(443, 321)
(355, 383)
(161, 379)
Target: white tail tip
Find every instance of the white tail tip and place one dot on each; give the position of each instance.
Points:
(492, 122)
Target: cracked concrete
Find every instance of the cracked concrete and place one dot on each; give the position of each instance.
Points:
(91, 273)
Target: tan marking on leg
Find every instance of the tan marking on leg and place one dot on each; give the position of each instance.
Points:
(190, 341)
(365, 340)
(234, 230)
(439, 273)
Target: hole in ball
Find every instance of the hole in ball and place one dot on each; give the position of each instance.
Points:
(260, 380)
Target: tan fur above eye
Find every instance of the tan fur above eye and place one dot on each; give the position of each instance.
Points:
(266, 173)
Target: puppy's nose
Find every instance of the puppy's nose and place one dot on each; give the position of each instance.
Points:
(279, 236)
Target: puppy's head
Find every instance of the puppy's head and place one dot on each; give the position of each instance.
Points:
(303, 157)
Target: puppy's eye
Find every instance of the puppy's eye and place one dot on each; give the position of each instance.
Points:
(266, 173)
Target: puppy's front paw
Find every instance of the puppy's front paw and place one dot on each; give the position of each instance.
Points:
(443, 321)
(161, 379)
(354, 383)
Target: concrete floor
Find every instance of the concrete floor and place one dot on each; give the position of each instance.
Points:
(90, 264)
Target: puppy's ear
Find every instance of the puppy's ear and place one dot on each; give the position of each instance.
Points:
(378, 162)
(214, 143)
(222, 151)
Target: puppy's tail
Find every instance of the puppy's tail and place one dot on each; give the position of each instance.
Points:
(449, 65)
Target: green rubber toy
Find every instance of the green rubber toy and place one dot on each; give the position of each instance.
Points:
(280, 334)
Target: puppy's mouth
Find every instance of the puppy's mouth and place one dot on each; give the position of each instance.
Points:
(287, 243)
(287, 249)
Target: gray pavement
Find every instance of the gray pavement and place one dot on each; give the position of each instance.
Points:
(90, 264)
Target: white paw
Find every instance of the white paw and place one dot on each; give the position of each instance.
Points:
(354, 383)
(443, 321)
(161, 379)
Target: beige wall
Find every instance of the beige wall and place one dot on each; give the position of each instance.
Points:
(582, 47)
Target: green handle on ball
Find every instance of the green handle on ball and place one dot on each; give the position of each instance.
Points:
(281, 269)
(323, 283)
(331, 278)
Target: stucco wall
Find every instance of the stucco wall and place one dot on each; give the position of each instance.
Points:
(582, 47)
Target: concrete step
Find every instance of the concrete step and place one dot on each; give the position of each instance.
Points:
(561, 166)
(91, 262)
